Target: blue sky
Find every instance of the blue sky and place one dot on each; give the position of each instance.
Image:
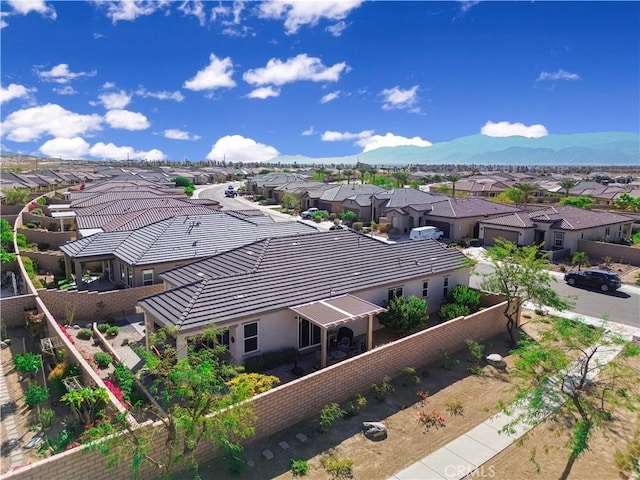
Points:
(246, 81)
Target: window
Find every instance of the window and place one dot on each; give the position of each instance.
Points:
(250, 337)
(147, 277)
(607, 232)
(425, 288)
(445, 289)
(223, 338)
(394, 293)
(558, 239)
(308, 333)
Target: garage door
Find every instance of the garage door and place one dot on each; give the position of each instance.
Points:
(442, 226)
(490, 235)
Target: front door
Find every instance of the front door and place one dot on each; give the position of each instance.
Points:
(309, 334)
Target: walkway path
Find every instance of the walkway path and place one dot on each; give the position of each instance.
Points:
(472, 451)
(11, 445)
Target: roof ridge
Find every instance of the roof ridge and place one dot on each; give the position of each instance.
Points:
(192, 301)
(267, 242)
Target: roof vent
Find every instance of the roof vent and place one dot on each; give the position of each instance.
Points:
(239, 296)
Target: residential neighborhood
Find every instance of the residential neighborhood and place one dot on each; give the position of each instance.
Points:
(286, 295)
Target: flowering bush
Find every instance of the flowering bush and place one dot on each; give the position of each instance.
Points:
(431, 419)
(116, 392)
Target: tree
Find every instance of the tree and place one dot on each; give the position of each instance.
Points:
(627, 202)
(526, 189)
(405, 313)
(565, 373)
(567, 184)
(401, 177)
(520, 274)
(348, 173)
(372, 173)
(290, 202)
(182, 181)
(580, 202)
(453, 178)
(6, 242)
(321, 173)
(348, 217)
(580, 258)
(16, 196)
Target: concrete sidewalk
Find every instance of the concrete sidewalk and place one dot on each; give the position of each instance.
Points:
(472, 451)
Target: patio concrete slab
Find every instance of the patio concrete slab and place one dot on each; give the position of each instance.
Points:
(471, 450)
(417, 470)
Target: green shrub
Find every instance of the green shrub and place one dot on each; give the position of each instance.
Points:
(382, 389)
(42, 201)
(475, 349)
(35, 394)
(103, 327)
(30, 267)
(112, 331)
(37, 211)
(463, 295)
(53, 227)
(355, 404)
(454, 407)
(299, 468)
(102, 359)
(449, 311)
(338, 467)
(449, 362)
(84, 334)
(124, 378)
(356, 226)
(329, 415)
(405, 313)
(28, 363)
(21, 240)
(408, 377)
(46, 417)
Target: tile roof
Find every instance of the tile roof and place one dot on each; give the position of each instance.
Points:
(469, 207)
(409, 197)
(286, 271)
(180, 238)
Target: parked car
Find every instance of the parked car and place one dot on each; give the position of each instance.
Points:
(423, 233)
(600, 279)
(311, 212)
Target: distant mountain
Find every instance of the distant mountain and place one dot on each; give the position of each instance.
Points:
(602, 148)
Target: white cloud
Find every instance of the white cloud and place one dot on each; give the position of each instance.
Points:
(300, 67)
(24, 7)
(14, 91)
(115, 100)
(304, 12)
(337, 29)
(112, 151)
(108, 85)
(98, 35)
(51, 119)
(129, 10)
(176, 96)
(218, 74)
(66, 90)
(195, 8)
(507, 129)
(236, 148)
(61, 74)
(466, 5)
(396, 98)
(559, 75)
(230, 18)
(264, 92)
(74, 147)
(309, 131)
(390, 140)
(126, 120)
(175, 134)
(333, 136)
(3, 22)
(330, 97)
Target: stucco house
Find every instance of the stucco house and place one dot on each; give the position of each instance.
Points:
(556, 228)
(296, 291)
(131, 259)
(338, 198)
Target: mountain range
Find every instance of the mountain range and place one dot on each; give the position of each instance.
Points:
(601, 148)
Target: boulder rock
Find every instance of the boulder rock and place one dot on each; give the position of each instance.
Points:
(497, 361)
(374, 430)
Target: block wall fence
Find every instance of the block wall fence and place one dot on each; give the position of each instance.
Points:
(618, 253)
(293, 402)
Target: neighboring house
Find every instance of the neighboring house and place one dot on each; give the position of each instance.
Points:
(134, 258)
(484, 187)
(404, 208)
(556, 228)
(297, 291)
(264, 184)
(338, 198)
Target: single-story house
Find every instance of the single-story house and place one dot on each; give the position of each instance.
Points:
(556, 228)
(338, 198)
(135, 258)
(297, 291)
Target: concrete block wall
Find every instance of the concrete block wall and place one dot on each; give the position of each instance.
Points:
(12, 309)
(94, 306)
(48, 261)
(618, 253)
(54, 239)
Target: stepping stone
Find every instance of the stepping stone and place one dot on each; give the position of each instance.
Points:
(250, 463)
(268, 454)
(284, 445)
(301, 437)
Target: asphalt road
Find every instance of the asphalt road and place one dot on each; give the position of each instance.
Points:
(622, 306)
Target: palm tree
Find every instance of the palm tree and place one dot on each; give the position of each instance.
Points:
(580, 258)
(348, 174)
(339, 169)
(402, 178)
(453, 178)
(526, 189)
(372, 174)
(567, 184)
(322, 172)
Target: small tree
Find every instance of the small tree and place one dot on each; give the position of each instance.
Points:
(562, 368)
(6, 245)
(348, 217)
(580, 258)
(520, 274)
(567, 184)
(580, 202)
(405, 313)
(463, 295)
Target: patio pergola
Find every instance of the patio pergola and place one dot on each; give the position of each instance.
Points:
(336, 312)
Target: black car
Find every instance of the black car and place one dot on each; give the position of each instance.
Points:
(600, 279)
